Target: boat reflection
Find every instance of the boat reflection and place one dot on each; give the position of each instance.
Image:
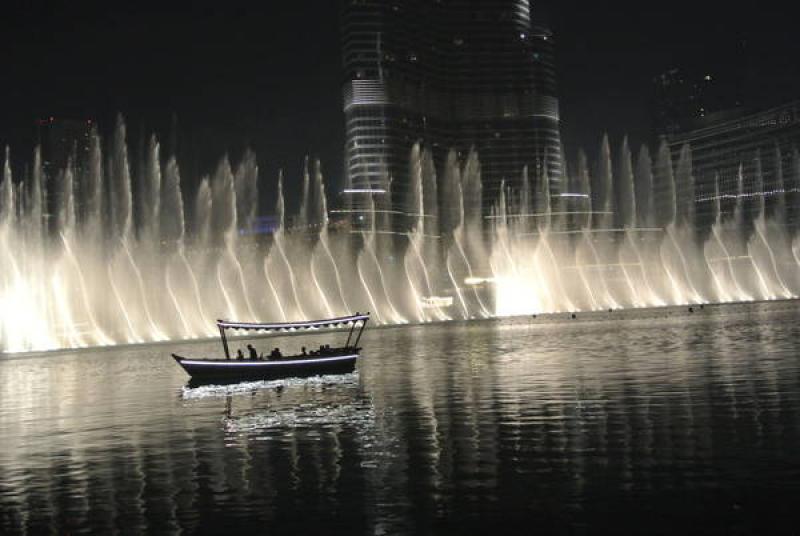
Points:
(194, 390)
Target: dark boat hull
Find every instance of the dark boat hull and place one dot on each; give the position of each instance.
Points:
(232, 371)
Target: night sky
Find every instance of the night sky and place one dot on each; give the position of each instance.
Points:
(267, 74)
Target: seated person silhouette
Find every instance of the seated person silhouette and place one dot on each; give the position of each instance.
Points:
(275, 354)
(303, 351)
(252, 351)
(239, 354)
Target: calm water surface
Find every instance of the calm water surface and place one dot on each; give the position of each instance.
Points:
(648, 422)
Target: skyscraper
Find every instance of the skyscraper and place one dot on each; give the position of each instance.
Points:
(452, 74)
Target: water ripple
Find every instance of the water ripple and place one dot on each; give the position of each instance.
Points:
(667, 423)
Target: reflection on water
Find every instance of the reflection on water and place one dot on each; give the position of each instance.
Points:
(210, 390)
(664, 422)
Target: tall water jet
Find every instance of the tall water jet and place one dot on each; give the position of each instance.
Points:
(538, 268)
(65, 222)
(462, 227)
(276, 263)
(324, 269)
(93, 191)
(793, 205)
(36, 199)
(597, 234)
(582, 220)
(415, 275)
(778, 210)
(173, 231)
(603, 188)
(684, 236)
(643, 186)
(421, 287)
(122, 265)
(644, 236)
(299, 251)
(230, 274)
(202, 215)
(665, 200)
(451, 225)
(150, 212)
(766, 263)
(246, 189)
(552, 252)
(371, 272)
(670, 253)
(626, 200)
(629, 258)
(305, 200)
(719, 259)
(432, 240)
(684, 188)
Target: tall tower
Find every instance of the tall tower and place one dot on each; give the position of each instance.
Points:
(457, 74)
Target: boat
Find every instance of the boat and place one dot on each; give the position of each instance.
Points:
(328, 360)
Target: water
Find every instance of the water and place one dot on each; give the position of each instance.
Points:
(656, 421)
(82, 249)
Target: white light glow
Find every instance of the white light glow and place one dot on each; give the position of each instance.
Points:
(364, 191)
(478, 280)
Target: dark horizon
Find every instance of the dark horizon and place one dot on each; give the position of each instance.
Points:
(237, 76)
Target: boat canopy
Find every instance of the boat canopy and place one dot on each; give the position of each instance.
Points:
(342, 321)
(288, 326)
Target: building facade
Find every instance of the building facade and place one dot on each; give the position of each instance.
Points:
(451, 74)
(764, 145)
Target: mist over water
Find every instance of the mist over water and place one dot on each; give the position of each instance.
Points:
(86, 259)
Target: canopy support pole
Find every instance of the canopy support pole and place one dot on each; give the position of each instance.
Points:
(358, 338)
(224, 342)
(349, 335)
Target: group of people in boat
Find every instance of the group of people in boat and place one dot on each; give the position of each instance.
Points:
(324, 350)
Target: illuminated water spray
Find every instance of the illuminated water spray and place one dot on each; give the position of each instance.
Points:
(88, 259)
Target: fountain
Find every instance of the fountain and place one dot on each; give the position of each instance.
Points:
(95, 261)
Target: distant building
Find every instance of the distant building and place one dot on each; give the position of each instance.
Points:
(681, 99)
(721, 142)
(452, 74)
